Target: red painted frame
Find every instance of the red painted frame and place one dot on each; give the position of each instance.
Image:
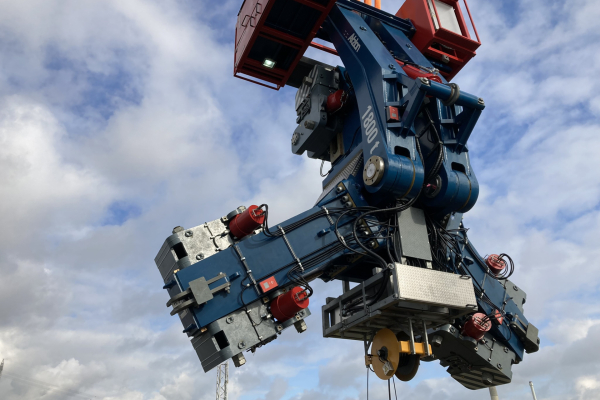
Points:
(427, 37)
(275, 76)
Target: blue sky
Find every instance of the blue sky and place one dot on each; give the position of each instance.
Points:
(120, 119)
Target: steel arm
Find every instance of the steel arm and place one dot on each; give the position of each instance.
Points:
(389, 219)
(378, 82)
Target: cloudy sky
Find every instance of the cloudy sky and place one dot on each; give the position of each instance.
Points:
(120, 119)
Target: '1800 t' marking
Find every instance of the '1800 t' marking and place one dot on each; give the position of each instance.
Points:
(370, 127)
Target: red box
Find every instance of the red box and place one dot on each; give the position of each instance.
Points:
(442, 32)
(392, 114)
(268, 284)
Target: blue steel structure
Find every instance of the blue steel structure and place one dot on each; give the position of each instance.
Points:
(383, 169)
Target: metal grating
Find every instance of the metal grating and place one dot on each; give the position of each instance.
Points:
(434, 287)
(353, 166)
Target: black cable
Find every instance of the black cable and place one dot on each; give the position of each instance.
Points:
(442, 240)
(387, 245)
(342, 157)
(509, 266)
(321, 169)
(383, 210)
(340, 237)
(440, 159)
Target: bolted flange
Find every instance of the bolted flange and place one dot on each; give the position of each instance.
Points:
(373, 171)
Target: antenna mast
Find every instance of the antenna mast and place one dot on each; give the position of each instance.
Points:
(222, 380)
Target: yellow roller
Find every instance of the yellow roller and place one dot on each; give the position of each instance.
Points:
(390, 356)
(385, 348)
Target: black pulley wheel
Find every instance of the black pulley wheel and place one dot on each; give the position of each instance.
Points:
(407, 366)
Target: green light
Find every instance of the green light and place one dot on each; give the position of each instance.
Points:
(269, 63)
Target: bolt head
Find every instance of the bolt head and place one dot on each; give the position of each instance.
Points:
(189, 234)
(295, 138)
(371, 169)
(200, 257)
(392, 67)
(300, 326)
(499, 366)
(409, 45)
(339, 189)
(362, 28)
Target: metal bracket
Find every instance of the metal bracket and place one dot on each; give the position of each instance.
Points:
(198, 293)
(248, 270)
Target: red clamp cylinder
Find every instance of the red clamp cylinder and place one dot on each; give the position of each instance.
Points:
(245, 223)
(336, 100)
(285, 306)
(495, 263)
(415, 72)
(476, 326)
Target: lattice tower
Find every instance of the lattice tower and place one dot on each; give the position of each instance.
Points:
(222, 381)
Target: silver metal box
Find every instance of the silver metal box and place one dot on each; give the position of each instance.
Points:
(422, 285)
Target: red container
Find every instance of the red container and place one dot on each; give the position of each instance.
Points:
(336, 100)
(245, 223)
(495, 263)
(442, 33)
(288, 304)
(476, 326)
